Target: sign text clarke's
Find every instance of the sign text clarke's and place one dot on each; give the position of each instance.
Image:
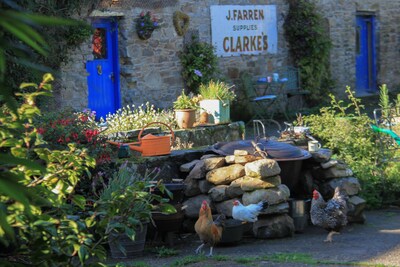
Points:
(248, 30)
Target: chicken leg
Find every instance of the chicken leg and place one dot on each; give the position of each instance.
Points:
(197, 251)
(211, 252)
(330, 235)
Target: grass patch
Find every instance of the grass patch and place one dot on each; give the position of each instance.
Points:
(276, 258)
(221, 258)
(163, 252)
(290, 257)
(189, 260)
(131, 264)
(246, 260)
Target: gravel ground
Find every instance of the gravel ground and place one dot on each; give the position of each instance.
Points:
(376, 242)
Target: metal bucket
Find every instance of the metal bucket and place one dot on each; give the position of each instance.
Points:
(299, 210)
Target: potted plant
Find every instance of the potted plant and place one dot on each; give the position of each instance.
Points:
(125, 208)
(185, 108)
(216, 97)
(146, 24)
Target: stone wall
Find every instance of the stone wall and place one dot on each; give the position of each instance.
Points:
(341, 18)
(222, 179)
(150, 70)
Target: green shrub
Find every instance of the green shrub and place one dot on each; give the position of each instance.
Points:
(344, 129)
(199, 64)
(37, 192)
(309, 45)
(59, 128)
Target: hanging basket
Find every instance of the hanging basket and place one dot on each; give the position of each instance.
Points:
(144, 35)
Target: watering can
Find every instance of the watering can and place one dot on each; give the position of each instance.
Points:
(151, 145)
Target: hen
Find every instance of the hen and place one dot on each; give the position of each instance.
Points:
(247, 213)
(331, 215)
(209, 231)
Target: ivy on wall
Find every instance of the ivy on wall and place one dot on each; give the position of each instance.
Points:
(309, 46)
(59, 39)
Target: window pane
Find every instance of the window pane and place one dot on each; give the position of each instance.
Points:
(99, 43)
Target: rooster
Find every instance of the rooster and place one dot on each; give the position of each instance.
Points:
(331, 215)
(209, 231)
(248, 213)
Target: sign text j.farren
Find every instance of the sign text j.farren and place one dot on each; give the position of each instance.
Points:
(248, 30)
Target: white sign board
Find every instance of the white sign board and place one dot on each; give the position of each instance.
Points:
(244, 30)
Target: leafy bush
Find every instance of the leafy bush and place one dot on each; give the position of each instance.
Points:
(37, 192)
(62, 127)
(343, 128)
(127, 201)
(309, 45)
(199, 64)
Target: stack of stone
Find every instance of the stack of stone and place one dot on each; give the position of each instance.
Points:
(329, 173)
(250, 179)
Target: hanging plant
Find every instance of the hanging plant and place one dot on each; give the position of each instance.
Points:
(178, 19)
(146, 24)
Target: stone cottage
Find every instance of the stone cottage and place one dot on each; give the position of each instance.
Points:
(248, 36)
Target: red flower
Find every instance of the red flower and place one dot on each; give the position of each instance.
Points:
(74, 136)
(83, 118)
(40, 131)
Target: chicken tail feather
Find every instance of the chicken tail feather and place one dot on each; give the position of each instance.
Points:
(264, 204)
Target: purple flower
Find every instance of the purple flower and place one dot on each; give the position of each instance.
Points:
(198, 73)
(142, 24)
(155, 23)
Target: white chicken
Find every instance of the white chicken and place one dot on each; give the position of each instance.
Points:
(248, 213)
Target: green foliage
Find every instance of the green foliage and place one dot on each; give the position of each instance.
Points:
(185, 101)
(37, 37)
(164, 252)
(59, 128)
(309, 45)
(217, 90)
(37, 191)
(127, 201)
(199, 64)
(384, 101)
(130, 117)
(344, 128)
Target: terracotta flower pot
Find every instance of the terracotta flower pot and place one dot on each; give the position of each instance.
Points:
(185, 118)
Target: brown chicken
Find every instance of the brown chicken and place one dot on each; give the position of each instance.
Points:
(209, 231)
(331, 215)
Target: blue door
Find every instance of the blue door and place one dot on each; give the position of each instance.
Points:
(103, 78)
(365, 58)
